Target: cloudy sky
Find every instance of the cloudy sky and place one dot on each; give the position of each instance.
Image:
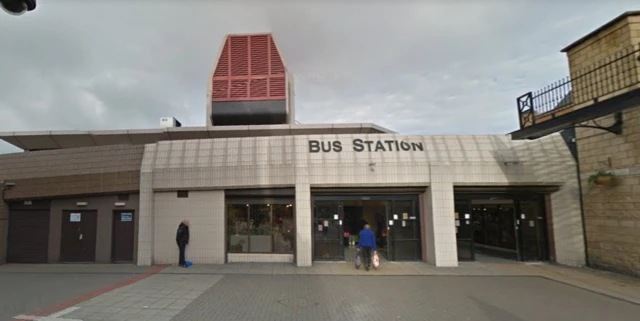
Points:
(417, 67)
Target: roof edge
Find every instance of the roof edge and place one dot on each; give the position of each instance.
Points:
(599, 29)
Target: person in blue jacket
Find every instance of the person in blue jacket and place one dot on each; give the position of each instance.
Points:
(366, 244)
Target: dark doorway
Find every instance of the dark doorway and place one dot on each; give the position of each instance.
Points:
(507, 226)
(78, 242)
(495, 230)
(123, 236)
(394, 219)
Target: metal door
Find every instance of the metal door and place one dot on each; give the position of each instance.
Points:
(327, 231)
(404, 231)
(78, 242)
(123, 236)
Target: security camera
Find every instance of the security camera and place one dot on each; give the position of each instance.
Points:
(17, 7)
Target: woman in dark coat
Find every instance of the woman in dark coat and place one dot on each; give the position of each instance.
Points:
(182, 238)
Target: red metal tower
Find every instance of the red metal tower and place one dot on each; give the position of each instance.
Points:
(250, 84)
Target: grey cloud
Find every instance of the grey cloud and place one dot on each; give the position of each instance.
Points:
(415, 67)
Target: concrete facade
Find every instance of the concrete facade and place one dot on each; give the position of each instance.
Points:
(611, 215)
(208, 167)
(205, 211)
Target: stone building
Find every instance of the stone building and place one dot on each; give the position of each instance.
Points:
(597, 108)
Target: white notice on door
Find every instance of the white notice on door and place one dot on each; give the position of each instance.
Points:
(532, 223)
(335, 216)
(390, 222)
(395, 216)
(326, 223)
(75, 217)
(319, 227)
(404, 223)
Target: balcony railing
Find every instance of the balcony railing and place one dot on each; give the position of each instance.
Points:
(613, 76)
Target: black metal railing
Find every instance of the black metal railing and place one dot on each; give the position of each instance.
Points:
(589, 85)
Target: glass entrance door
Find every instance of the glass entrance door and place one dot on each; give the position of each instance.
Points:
(404, 231)
(464, 230)
(508, 226)
(327, 231)
(532, 230)
(394, 219)
(495, 228)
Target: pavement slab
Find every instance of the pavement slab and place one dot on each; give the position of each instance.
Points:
(27, 293)
(158, 298)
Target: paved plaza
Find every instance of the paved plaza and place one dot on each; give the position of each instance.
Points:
(480, 291)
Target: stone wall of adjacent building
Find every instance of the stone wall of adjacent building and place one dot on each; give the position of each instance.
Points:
(605, 64)
(611, 213)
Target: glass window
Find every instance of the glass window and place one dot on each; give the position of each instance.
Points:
(283, 229)
(261, 228)
(238, 228)
(260, 240)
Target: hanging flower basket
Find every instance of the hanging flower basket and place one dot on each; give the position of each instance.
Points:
(601, 178)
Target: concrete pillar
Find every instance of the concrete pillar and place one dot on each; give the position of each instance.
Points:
(303, 225)
(146, 222)
(442, 249)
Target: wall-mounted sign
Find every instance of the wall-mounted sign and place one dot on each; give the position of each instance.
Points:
(359, 145)
(126, 217)
(75, 217)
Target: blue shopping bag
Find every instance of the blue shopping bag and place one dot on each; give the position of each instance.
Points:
(188, 263)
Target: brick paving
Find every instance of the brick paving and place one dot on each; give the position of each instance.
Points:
(419, 298)
(487, 290)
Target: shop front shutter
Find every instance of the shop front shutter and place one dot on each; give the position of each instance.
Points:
(28, 236)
